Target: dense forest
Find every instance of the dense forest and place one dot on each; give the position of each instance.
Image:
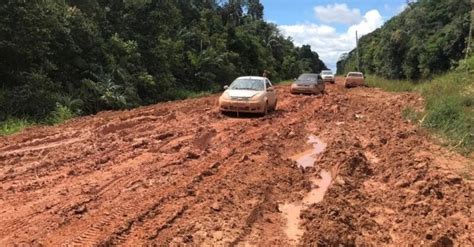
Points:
(428, 37)
(75, 57)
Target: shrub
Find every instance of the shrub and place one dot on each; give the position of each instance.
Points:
(13, 125)
(60, 114)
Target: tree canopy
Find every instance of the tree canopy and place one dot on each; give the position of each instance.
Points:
(91, 55)
(428, 37)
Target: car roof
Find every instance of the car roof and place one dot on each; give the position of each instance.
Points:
(252, 77)
(309, 74)
(354, 72)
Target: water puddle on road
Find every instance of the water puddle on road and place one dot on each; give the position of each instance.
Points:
(308, 157)
(291, 211)
(319, 188)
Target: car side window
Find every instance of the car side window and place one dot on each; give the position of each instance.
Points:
(268, 84)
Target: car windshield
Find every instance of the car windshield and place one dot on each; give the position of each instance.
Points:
(308, 77)
(326, 73)
(247, 84)
(355, 75)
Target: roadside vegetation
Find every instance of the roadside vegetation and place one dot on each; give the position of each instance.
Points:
(13, 125)
(60, 114)
(427, 38)
(285, 82)
(60, 59)
(449, 103)
(422, 50)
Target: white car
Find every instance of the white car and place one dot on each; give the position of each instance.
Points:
(249, 94)
(328, 76)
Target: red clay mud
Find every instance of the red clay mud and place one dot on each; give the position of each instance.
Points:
(177, 174)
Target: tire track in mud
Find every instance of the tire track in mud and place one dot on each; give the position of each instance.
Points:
(215, 169)
(150, 226)
(178, 174)
(91, 236)
(250, 220)
(67, 210)
(112, 212)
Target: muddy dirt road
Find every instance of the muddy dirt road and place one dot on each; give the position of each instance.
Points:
(180, 173)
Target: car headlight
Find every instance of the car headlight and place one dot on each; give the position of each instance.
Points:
(226, 96)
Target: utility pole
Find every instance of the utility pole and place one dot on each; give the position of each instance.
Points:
(357, 52)
(469, 38)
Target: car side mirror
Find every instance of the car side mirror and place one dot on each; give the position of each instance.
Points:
(226, 87)
(295, 79)
(270, 89)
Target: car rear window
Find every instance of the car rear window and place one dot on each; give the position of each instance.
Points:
(355, 75)
(308, 77)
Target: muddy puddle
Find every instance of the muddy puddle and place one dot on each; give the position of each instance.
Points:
(291, 211)
(308, 157)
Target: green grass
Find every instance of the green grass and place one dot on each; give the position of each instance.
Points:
(13, 125)
(449, 99)
(188, 94)
(391, 85)
(411, 114)
(285, 82)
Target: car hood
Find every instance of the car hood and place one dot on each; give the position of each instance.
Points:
(242, 93)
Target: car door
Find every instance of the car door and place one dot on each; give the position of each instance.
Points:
(271, 94)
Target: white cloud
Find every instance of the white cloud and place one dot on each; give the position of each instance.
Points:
(371, 21)
(325, 39)
(337, 13)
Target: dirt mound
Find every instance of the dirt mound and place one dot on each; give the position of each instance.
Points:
(180, 173)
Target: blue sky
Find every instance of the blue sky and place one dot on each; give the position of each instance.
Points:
(329, 26)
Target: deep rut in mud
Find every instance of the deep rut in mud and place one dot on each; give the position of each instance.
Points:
(181, 173)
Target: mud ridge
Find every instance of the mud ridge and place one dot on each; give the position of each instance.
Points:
(180, 173)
